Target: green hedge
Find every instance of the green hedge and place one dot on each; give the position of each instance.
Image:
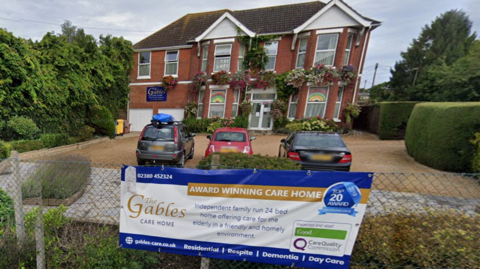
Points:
(54, 140)
(244, 161)
(439, 134)
(197, 125)
(393, 119)
(26, 145)
(102, 120)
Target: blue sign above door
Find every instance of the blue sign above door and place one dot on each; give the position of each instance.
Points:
(155, 94)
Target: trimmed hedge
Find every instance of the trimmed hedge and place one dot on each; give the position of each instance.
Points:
(245, 161)
(102, 120)
(439, 134)
(26, 145)
(393, 119)
(197, 125)
(54, 140)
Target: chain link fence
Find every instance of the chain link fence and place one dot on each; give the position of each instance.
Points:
(66, 213)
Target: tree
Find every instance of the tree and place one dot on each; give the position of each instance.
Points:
(444, 41)
(380, 92)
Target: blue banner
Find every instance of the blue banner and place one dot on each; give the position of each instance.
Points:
(249, 215)
(155, 94)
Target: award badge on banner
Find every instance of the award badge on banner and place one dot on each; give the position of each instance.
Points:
(341, 198)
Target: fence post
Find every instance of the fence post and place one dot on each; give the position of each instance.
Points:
(17, 197)
(205, 263)
(39, 230)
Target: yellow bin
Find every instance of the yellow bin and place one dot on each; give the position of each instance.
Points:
(120, 126)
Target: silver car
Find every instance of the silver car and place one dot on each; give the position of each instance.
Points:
(165, 143)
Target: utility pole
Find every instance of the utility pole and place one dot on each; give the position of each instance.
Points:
(365, 84)
(374, 74)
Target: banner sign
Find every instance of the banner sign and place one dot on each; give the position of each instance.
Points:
(156, 93)
(293, 218)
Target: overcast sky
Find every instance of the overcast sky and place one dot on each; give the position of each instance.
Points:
(135, 20)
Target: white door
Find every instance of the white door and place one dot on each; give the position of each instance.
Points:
(260, 118)
(139, 117)
(177, 113)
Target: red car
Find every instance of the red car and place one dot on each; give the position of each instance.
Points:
(228, 139)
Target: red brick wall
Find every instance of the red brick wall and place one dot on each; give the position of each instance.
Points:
(190, 64)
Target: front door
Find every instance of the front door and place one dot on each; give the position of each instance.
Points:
(261, 119)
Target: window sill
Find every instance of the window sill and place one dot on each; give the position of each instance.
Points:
(337, 120)
(144, 77)
(175, 76)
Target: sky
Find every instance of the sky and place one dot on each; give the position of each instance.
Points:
(402, 20)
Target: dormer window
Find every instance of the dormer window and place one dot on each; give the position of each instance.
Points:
(144, 64)
(171, 63)
(326, 48)
(222, 57)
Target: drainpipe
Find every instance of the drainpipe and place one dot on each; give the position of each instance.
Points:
(361, 62)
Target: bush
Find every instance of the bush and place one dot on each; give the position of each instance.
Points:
(312, 124)
(102, 120)
(85, 133)
(21, 128)
(438, 135)
(393, 119)
(197, 125)
(59, 179)
(476, 157)
(243, 161)
(4, 150)
(294, 126)
(54, 140)
(241, 121)
(7, 213)
(26, 145)
(404, 240)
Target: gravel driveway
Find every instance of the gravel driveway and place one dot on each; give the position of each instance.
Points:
(369, 153)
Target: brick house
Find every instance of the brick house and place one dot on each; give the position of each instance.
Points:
(307, 34)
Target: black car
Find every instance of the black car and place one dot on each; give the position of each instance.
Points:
(317, 151)
(168, 143)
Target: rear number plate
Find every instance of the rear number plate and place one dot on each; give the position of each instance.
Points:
(157, 147)
(322, 157)
(228, 149)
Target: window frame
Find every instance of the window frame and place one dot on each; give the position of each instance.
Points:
(271, 55)
(241, 56)
(324, 102)
(339, 103)
(348, 49)
(169, 62)
(204, 58)
(289, 106)
(149, 65)
(327, 50)
(217, 104)
(222, 56)
(304, 53)
(236, 102)
(201, 95)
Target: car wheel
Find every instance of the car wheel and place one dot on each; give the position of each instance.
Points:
(141, 162)
(181, 163)
(192, 152)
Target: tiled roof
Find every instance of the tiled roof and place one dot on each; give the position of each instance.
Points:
(275, 19)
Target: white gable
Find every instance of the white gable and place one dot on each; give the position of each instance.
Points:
(226, 28)
(334, 17)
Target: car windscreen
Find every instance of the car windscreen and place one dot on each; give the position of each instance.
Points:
(157, 134)
(231, 137)
(318, 141)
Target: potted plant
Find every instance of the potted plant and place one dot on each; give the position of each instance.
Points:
(221, 77)
(200, 79)
(265, 79)
(347, 74)
(322, 75)
(169, 82)
(240, 80)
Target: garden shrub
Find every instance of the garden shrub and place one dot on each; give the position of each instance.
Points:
(294, 126)
(196, 125)
(241, 121)
(476, 157)
(54, 140)
(7, 213)
(21, 128)
(26, 145)
(245, 161)
(59, 178)
(312, 124)
(438, 135)
(437, 239)
(4, 150)
(85, 133)
(102, 120)
(393, 119)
